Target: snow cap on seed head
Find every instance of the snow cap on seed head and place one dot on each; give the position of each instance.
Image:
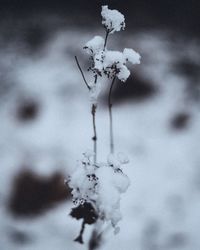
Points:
(113, 20)
(95, 45)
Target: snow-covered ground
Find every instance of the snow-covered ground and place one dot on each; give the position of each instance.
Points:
(161, 207)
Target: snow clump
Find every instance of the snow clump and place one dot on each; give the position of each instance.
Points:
(112, 63)
(106, 62)
(112, 20)
(95, 45)
(101, 185)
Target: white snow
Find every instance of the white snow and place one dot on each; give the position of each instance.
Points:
(95, 45)
(104, 190)
(123, 158)
(113, 63)
(123, 74)
(110, 185)
(113, 20)
(132, 56)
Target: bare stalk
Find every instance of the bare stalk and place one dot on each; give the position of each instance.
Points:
(93, 111)
(94, 107)
(94, 138)
(79, 67)
(106, 39)
(95, 239)
(110, 117)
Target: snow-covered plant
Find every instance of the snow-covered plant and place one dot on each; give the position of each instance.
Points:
(97, 186)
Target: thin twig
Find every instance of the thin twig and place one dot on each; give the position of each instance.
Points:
(110, 117)
(77, 62)
(94, 138)
(93, 111)
(106, 39)
(95, 79)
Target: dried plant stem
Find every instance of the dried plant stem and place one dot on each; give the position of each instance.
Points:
(79, 67)
(93, 111)
(95, 239)
(110, 117)
(106, 39)
(94, 138)
(110, 104)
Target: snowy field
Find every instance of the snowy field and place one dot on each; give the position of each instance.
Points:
(161, 207)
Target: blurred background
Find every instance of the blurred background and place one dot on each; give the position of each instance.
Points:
(45, 122)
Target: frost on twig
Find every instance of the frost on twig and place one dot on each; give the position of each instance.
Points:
(97, 187)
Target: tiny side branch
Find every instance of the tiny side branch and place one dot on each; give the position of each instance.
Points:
(77, 62)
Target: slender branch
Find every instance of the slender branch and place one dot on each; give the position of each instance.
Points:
(93, 111)
(94, 107)
(110, 117)
(106, 39)
(77, 62)
(95, 79)
(94, 138)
